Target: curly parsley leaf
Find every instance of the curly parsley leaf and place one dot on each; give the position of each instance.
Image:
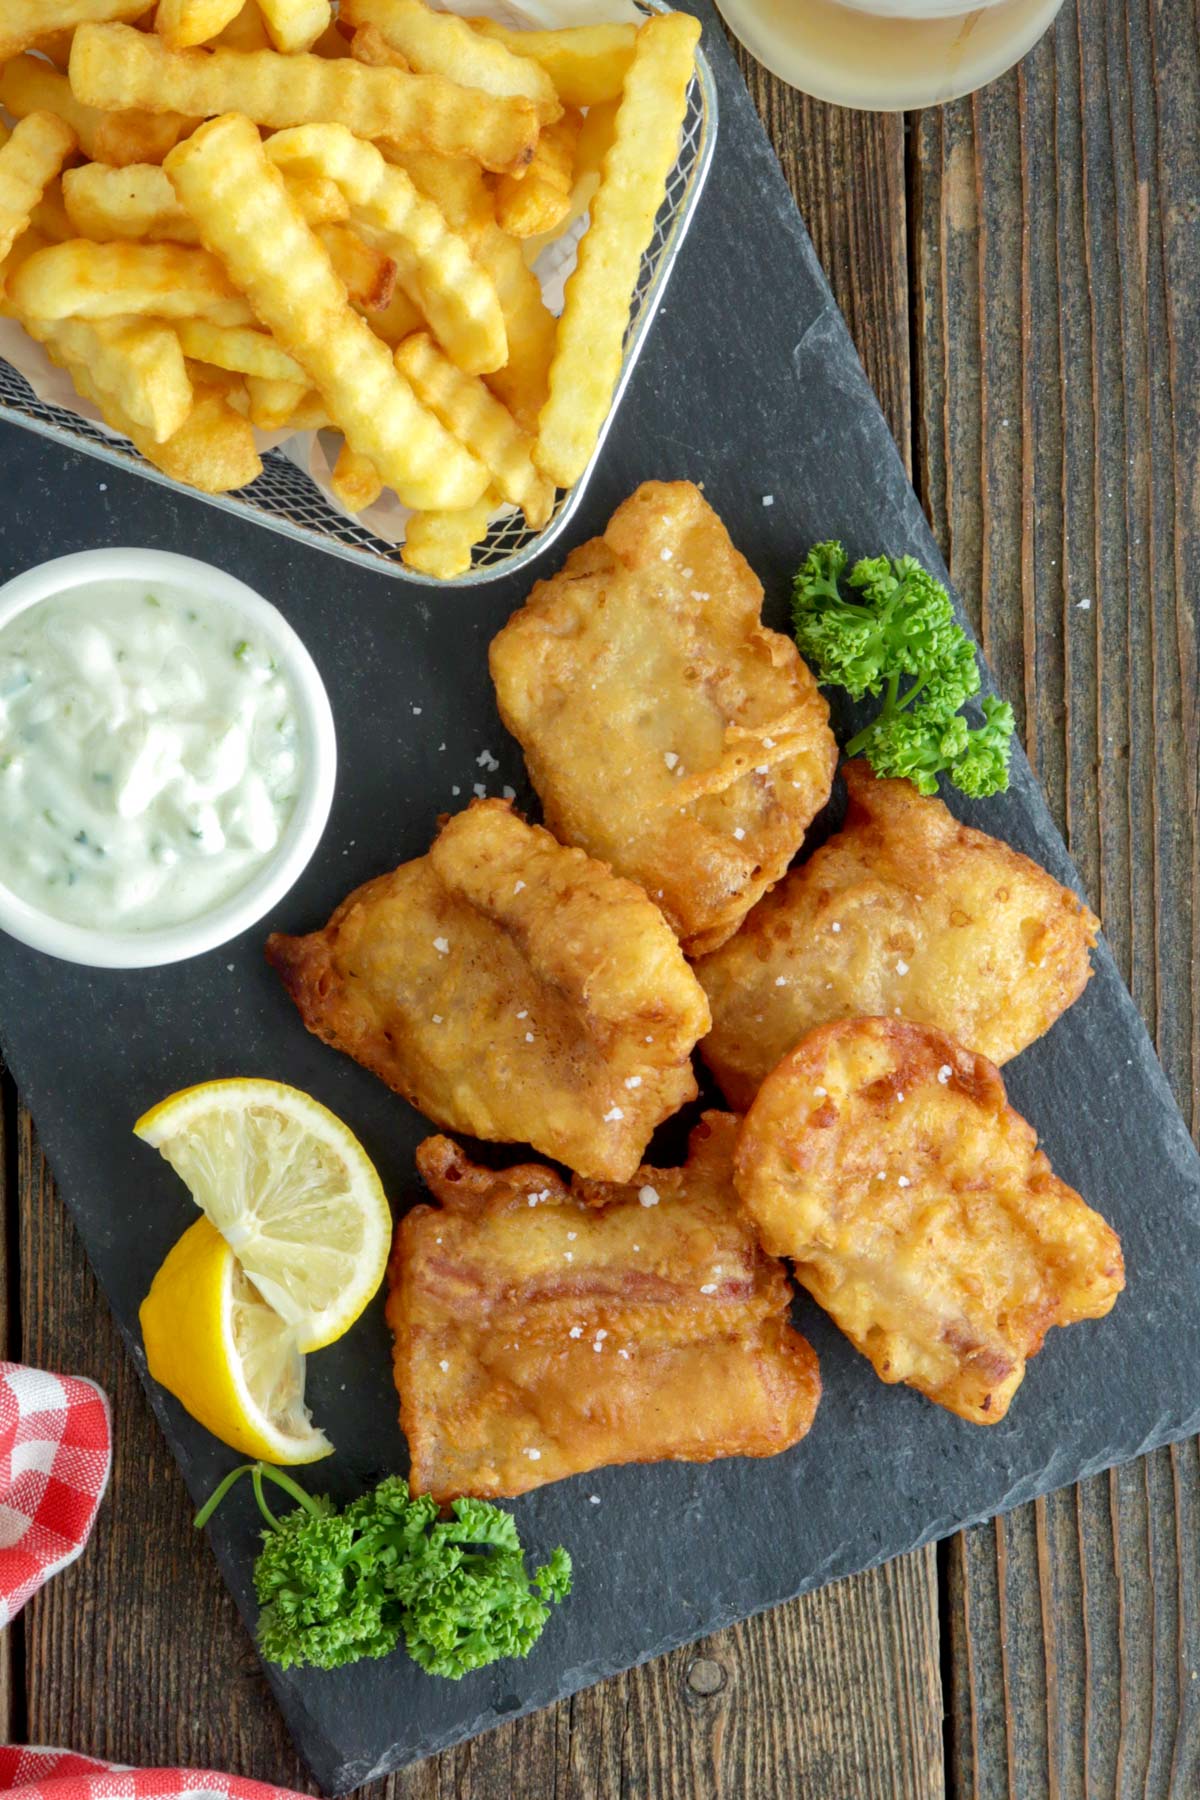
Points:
(895, 634)
(335, 1586)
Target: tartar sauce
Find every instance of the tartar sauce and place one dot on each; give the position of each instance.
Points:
(149, 756)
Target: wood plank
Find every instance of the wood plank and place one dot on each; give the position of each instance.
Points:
(839, 1693)
(1054, 219)
(12, 1723)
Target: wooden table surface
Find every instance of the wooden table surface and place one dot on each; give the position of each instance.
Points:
(1021, 272)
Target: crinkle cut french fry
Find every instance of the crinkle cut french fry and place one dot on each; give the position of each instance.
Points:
(587, 63)
(455, 185)
(247, 30)
(27, 84)
(591, 147)
(35, 152)
(312, 414)
(83, 280)
(24, 22)
(595, 139)
(591, 331)
(439, 43)
(213, 450)
(366, 271)
(355, 480)
(138, 202)
(523, 383)
(321, 201)
(396, 320)
(27, 245)
(369, 45)
(238, 348)
(476, 418)
(137, 361)
(540, 199)
(294, 25)
(434, 264)
(272, 402)
(219, 381)
(183, 23)
(235, 392)
(241, 205)
(115, 66)
(440, 543)
(459, 191)
(50, 215)
(332, 42)
(56, 46)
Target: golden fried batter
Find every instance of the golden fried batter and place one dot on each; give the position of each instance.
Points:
(888, 1163)
(665, 729)
(511, 989)
(541, 1330)
(904, 912)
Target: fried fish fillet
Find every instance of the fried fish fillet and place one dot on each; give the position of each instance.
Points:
(511, 989)
(665, 728)
(903, 912)
(887, 1162)
(541, 1330)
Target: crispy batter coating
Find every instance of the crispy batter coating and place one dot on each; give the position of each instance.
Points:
(903, 912)
(541, 1330)
(919, 1211)
(665, 728)
(511, 989)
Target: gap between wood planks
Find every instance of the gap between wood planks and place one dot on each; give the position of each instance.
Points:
(12, 1641)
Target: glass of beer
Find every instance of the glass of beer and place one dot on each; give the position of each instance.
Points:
(888, 55)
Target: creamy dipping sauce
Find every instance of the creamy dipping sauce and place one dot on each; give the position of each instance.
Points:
(149, 755)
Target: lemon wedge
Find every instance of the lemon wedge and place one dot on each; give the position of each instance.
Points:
(291, 1191)
(225, 1354)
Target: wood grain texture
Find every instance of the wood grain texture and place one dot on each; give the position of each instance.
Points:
(836, 1695)
(1057, 418)
(12, 1722)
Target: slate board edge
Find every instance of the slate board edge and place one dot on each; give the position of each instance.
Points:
(335, 1778)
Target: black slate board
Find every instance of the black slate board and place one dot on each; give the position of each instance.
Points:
(750, 383)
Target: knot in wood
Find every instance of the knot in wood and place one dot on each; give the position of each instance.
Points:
(706, 1676)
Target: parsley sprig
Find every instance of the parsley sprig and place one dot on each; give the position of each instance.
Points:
(896, 635)
(336, 1585)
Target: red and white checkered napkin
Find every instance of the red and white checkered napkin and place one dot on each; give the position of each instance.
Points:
(55, 1451)
(37, 1774)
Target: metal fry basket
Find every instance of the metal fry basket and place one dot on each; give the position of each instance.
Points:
(287, 500)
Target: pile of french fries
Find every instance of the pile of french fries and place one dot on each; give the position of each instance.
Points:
(219, 215)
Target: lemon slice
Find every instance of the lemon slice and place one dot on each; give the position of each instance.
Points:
(291, 1191)
(213, 1341)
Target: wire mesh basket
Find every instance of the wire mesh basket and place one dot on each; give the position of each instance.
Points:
(287, 500)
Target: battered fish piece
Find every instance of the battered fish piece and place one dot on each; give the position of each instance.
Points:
(510, 989)
(921, 1215)
(542, 1330)
(665, 729)
(903, 912)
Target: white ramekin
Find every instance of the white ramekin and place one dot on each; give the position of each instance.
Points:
(318, 745)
